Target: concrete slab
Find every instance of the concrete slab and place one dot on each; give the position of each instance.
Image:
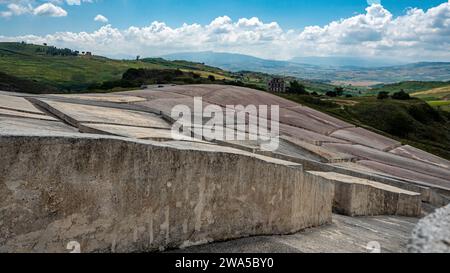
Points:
(18, 104)
(366, 138)
(417, 177)
(417, 154)
(194, 90)
(328, 156)
(344, 235)
(361, 197)
(317, 115)
(307, 136)
(295, 119)
(77, 113)
(233, 95)
(19, 114)
(153, 95)
(366, 153)
(133, 132)
(166, 105)
(10, 125)
(103, 98)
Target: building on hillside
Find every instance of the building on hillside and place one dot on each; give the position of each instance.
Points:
(276, 85)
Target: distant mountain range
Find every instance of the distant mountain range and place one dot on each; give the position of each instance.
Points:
(347, 61)
(330, 69)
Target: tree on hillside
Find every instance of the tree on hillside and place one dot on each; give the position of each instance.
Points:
(332, 94)
(212, 78)
(296, 88)
(402, 95)
(383, 95)
(339, 91)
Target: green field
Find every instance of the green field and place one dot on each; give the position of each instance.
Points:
(43, 73)
(75, 73)
(408, 87)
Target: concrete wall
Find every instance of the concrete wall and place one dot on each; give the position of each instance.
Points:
(361, 197)
(113, 195)
(432, 195)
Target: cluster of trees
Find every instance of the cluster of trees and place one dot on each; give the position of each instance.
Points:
(401, 95)
(298, 88)
(337, 92)
(53, 51)
(137, 77)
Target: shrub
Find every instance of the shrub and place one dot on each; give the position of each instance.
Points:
(296, 88)
(402, 95)
(383, 95)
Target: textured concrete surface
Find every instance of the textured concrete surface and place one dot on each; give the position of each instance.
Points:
(113, 195)
(9, 125)
(133, 132)
(366, 138)
(77, 113)
(344, 235)
(432, 234)
(307, 136)
(417, 154)
(20, 114)
(103, 97)
(366, 153)
(317, 115)
(361, 197)
(417, 177)
(329, 156)
(18, 104)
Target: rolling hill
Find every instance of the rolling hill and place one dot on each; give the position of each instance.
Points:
(343, 74)
(408, 86)
(347, 61)
(75, 73)
(42, 70)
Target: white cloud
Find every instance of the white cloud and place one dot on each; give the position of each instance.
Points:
(52, 8)
(48, 9)
(416, 35)
(101, 18)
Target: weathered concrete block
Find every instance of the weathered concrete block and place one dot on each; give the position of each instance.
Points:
(114, 195)
(361, 197)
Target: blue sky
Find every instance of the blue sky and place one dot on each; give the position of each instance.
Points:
(124, 13)
(412, 30)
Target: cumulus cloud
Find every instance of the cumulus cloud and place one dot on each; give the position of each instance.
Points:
(101, 18)
(416, 35)
(52, 8)
(48, 9)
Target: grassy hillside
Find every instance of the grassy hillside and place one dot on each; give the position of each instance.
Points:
(436, 97)
(412, 122)
(14, 84)
(435, 93)
(75, 73)
(39, 64)
(408, 87)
